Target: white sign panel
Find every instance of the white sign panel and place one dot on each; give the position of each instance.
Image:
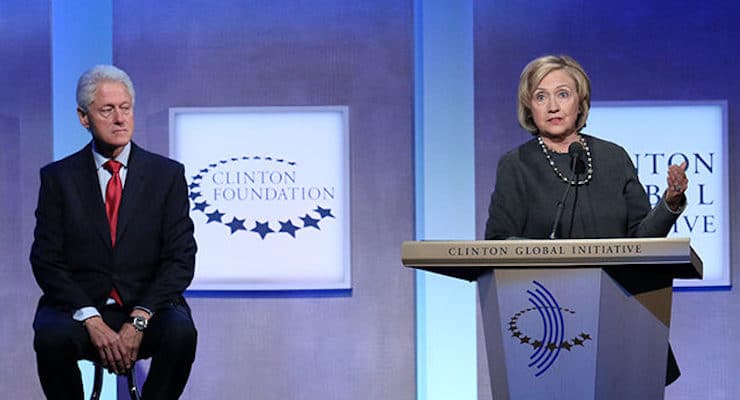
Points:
(658, 134)
(269, 194)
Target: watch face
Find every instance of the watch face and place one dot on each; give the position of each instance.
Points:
(139, 323)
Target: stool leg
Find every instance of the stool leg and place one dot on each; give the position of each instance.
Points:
(132, 388)
(97, 383)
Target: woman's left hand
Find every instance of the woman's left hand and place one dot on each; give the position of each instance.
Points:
(677, 184)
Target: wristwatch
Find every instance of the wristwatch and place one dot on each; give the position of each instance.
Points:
(139, 323)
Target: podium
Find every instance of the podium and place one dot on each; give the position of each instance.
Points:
(569, 319)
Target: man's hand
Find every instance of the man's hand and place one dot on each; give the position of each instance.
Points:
(108, 344)
(131, 338)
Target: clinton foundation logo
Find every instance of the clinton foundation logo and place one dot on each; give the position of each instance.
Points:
(261, 195)
(544, 327)
(269, 195)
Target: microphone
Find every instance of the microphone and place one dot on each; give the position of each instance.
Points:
(575, 150)
(577, 153)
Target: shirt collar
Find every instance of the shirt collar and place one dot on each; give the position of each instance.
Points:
(121, 158)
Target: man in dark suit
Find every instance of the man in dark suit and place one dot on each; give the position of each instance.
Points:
(113, 253)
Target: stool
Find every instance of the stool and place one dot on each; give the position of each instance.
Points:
(130, 376)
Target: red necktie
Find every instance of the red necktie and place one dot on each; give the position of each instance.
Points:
(112, 201)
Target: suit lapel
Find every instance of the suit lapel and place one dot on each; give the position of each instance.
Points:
(133, 189)
(88, 189)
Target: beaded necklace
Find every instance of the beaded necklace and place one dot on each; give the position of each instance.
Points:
(572, 182)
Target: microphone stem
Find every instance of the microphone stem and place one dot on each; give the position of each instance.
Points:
(559, 214)
(561, 203)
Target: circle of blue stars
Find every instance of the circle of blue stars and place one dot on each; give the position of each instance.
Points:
(525, 339)
(236, 224)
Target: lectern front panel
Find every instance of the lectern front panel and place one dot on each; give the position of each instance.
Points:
(565, 334)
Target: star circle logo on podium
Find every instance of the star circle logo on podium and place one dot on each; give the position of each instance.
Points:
(543, 327)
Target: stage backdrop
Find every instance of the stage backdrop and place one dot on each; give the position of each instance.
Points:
(633, 51)
(354, 343)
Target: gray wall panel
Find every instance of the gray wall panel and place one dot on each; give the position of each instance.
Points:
(25, 130)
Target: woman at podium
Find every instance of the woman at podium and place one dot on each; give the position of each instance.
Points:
(564, 183)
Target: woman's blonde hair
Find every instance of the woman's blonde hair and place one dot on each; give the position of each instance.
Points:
(533, 74)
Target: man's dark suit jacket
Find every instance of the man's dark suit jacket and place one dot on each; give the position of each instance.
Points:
(72, 257)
